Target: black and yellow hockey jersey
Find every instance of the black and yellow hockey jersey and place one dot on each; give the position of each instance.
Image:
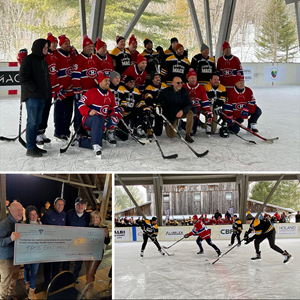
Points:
(149, 228)
(215, 94)
(261, 226)
(152, 62)
(119, 95)
(152, 92)
(122, 59)
(175, 66)
(237, 225)
(204, 67)
(132, 98)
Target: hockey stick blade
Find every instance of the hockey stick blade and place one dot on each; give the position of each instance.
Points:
(63, 150)
(170, 156)
(3, 138)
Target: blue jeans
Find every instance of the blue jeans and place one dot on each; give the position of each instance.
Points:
(34, 117)
(32, 269)
(95, 123)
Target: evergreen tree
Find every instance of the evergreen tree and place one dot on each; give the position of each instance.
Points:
(278, 34)
(122, 200)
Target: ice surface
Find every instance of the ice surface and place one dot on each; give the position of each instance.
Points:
(280, 106)
(188, 275)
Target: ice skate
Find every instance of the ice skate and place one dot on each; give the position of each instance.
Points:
(97, 150)
(208, 129)
(229, 245)
(253, 127)
(140, 132)
(257, 257)
(219, 252)
(41, 139)
(287, 257)
(110, 138)
(200, 252)
(142, 254)
(161, 252)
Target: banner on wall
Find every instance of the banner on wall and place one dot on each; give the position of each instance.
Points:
(248, 74)
(139, 234)
(287, 230)
(274, 73)
(225, 231)
(172, 233)
(121, 234)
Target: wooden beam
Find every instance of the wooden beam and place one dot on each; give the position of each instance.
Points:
(2, 197)
(89, 181)
(106, 196)
(85, 190)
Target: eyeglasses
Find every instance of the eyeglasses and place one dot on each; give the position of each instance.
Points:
(179, 82)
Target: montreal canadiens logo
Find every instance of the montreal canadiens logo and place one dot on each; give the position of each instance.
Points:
(52, 69)
(103, 110)
(227, 72)
(69, 71)
(92, 73)
(240, 106)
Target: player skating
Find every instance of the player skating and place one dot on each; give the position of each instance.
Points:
(237, 227)
(263, 229)
(150, 230)
(204, 234)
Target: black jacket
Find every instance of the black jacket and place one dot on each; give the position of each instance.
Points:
(34, 75)
(173, 102)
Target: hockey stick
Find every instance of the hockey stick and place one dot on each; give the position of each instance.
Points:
(131, 132)
(249, 141)
(226, 252)
(20, 125)
(172, 244)
(63, 150)
(172, 254)
(170, 124)
(254, 133)
(155, 138)
(3, 138)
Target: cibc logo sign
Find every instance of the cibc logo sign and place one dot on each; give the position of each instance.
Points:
(225, 231)
(172, 233)
(284, 230)
(121, 234)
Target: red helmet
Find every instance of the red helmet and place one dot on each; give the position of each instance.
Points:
(195, 217)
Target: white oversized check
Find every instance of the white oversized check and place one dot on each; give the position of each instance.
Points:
(46, 243)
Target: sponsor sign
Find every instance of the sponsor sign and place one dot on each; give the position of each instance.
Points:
(172, 233)
(121, 234)
(139, 235)
(225, 231)
(44, 243)
(249, 74)
(9, 78)
(274, 73)
(287, 230)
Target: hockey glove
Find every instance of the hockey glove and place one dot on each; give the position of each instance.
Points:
(112, 122)
(146, 115)
(249, 240)
(158, 110)
(229, 120)
(209, 116)
(121, 111)
(245, 112)
(61, 95)
(246, 235)
(186, 235)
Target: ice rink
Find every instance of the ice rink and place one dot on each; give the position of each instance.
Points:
(188, 275)
(280, 118)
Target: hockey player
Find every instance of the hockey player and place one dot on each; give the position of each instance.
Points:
(84, 73)
(171, 50)
(175, 66)
(204, 65)
(203, 234)
(63, 110)
(150, 230)
(240, 106)
(121, 56)
(115, 79)
(56, 89)
(132, 48)
(151, 94)
(199, 100)
(152, 59)
(135, 109)
(237, 227)
(137, 71)
(97, 106)
(228, 67)
(217, 95)
(104, 60)
(263, 229)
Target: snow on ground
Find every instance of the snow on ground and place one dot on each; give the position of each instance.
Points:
(188, 275)
(280, 118)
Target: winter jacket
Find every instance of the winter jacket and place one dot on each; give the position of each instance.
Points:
(34, 76)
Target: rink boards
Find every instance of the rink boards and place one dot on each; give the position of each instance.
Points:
(218, 232)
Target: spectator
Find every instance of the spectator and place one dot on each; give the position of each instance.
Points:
(277, 216)
(284, 218)
(183, 222)
(24, 216)
(97, 207)
(57, 216)
(297, 217)
(46, 208)
(30, 270)
(228, 215)
(7, 207)
(217, 215)
(190, 221)
(89, 209)
(9, 272)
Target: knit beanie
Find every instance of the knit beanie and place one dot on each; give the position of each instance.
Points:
(225, 45)
(203, 47)
(119, 38)
(99, 44)
(113, 75)
(62, 39)
(132, 39)
(146, 41)
(178, 46)
(86, 41)
(140, 58)
(191, 73)
(51, 38)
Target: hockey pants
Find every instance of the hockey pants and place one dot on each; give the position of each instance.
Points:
(154, 240)
(271, 237)
(208, 241)
(236, 234)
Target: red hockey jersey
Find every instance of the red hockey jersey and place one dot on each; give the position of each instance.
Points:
(64, 65)
(84, 73)
(103, 103)
(51, 61)
(198, 97)
(104, 63)
(236, 101)
(201, 230)
(228, 69)
(139, 77)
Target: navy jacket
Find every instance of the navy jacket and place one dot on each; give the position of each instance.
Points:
(52, 217)
(74, 220)
(7, 246)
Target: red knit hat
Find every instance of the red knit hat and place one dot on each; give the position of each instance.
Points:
(63, 39)
(140, 58)
(100, 44)
(239, 77)
(21, 54)
(178, 46)
(132, 39)
(102, 76)
(191, 73)
(51, 38)
(86, 41)
(225, 45)
(195, 217)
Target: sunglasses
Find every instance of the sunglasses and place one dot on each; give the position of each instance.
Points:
(179, 82)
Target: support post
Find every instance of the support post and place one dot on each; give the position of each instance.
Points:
(158, 186)
(106, 195)
(195, 22)
(82, 17)
(208, 27)
(243, 186)
(97, 19)
(297, 9)
(2, 197)
(136, 18)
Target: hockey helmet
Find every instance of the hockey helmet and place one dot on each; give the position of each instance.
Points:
(195, 217)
